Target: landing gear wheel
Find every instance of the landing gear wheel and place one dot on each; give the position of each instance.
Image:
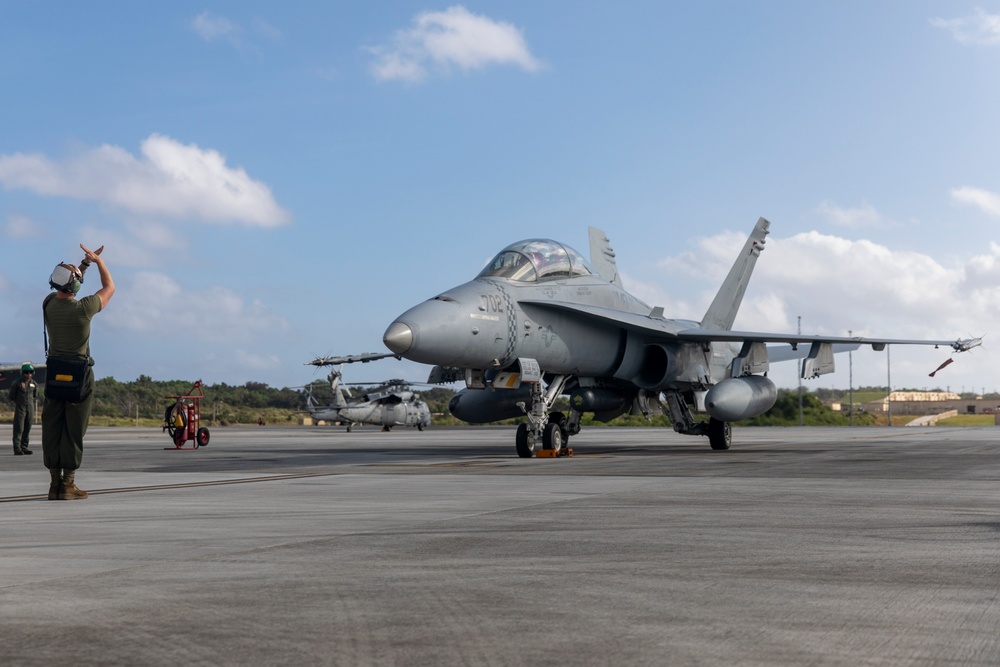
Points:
(720, 434)
(420, 427)
(349, 426)
(525, 442)
(201, 437)
(560, 419)
(552, 436)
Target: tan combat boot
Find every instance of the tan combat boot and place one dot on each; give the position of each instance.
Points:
(69, 489)
(55, 486)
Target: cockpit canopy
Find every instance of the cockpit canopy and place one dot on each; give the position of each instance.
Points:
(537, 259)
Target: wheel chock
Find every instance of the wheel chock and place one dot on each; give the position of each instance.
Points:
(553, 453)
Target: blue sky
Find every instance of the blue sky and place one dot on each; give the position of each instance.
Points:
(275, 181)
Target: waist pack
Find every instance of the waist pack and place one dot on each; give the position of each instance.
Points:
(65, 378)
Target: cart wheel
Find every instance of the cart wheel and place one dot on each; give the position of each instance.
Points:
(177, 432)
(202, 437)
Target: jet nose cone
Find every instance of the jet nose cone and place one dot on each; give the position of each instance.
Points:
(398, 337)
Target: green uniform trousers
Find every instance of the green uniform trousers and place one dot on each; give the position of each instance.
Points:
(23, 416)
(63, 426)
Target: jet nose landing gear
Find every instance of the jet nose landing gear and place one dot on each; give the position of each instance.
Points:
(552, 430)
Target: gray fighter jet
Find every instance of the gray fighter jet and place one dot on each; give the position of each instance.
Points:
(540, 322)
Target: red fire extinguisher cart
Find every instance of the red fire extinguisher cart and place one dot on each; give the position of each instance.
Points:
(182, 419)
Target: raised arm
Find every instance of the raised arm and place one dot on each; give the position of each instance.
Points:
(107, 282)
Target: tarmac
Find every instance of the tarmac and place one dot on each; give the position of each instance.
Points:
(313, 546)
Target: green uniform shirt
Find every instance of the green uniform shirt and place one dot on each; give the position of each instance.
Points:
(23, 392)
(69, 325)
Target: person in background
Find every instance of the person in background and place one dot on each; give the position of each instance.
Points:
(23, 393)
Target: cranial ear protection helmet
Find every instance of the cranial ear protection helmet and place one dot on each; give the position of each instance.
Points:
(66, 278)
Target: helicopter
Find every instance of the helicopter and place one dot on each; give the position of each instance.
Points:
(389, 404)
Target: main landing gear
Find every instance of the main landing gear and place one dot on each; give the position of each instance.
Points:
(553, 430)
(720, 433)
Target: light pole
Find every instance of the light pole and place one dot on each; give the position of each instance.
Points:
(888, 379)
(850, 377)
(800, 377)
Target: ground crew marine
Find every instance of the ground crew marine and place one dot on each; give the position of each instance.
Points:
(67, 321)
(24, 393)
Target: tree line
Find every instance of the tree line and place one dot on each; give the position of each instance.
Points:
(144, 399)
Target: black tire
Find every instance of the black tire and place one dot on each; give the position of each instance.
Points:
(524, 442)
(173, 430)
(552, 436)
(201, 437)
(720, 434)
(560, 418)
(420, 427)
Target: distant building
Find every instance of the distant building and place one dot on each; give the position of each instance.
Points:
(923, 396)
(932, 403)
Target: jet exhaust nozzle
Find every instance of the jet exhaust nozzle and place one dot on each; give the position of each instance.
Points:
(734, 399)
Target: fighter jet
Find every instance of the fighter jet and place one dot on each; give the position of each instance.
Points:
(540, 322)
(391, 404)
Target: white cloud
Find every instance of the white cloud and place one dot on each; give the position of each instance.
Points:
(211, 28)
(20, 226)
(980, 28)
(864, 216)
(841, 284)
(171, 180)
(987, 201)
(221, 29)
(256, 362)
(156, 306)
(144, 245)
(454, 37)
(653, 295)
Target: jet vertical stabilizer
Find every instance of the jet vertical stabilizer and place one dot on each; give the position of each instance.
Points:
(602, 257)
(722, 312)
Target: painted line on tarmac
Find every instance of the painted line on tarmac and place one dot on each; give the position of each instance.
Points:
(182, 485)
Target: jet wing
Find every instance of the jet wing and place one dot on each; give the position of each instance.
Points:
(682, 330)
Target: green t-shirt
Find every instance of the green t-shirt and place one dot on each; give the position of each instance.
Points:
(69, 325)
